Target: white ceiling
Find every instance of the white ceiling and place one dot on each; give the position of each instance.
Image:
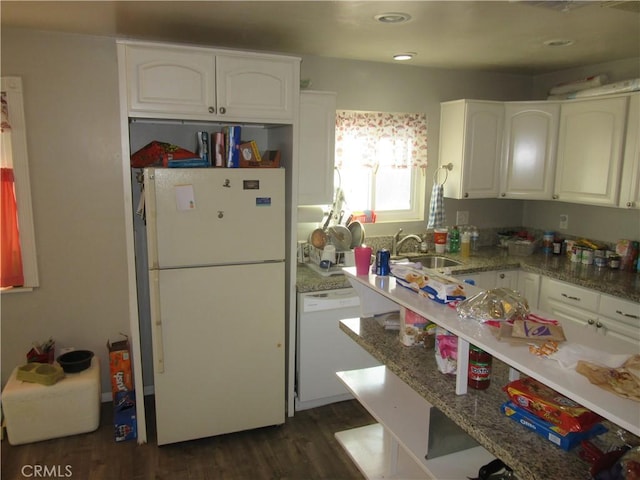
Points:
(503, 36)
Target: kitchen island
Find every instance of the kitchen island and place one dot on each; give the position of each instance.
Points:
(478, 412)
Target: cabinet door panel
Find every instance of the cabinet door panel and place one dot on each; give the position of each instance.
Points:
(621, 331)
(630, 188)
(590, 148)
(170, 80)
(256, 88)
(482, 151)
(317, 147)
(528, 167)
(507, 279)
(529, 287)
(471, 141)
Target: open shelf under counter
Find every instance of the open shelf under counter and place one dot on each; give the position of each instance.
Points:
(477, 413)
(380, 294)
(396, 446)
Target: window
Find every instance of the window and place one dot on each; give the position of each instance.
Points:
(16, 190)
(381, 159)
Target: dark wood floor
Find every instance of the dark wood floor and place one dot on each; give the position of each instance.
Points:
(303, 448)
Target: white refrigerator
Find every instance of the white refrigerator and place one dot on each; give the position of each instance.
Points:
(216, 249)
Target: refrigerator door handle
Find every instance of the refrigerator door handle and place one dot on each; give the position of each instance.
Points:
(156, 320)
(159, 347)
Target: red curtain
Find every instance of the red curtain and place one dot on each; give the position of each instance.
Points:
(11, 256)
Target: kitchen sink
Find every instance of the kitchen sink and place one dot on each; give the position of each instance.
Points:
(430, 261)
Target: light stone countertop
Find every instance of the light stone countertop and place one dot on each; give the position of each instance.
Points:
(618, 283)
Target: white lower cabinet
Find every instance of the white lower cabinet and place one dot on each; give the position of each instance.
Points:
(529, 287)
(620, 318)
(395, 447)
(484, 280)
(598, 313)
(507, 279)
(493, 279)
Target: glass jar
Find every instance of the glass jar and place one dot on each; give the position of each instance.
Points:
(479, 372)
(547, 242)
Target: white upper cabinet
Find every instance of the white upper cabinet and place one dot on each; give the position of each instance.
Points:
(165, 81)
(590, 148)
(471, 140)
(630, 187)
(529, 155)
(317, 126)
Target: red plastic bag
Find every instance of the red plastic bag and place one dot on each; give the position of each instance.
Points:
(158, 154)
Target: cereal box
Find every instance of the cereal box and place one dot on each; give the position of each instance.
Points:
(120, 366)
(553, 433)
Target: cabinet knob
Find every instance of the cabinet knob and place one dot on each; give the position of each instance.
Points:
(629, 204)
(223, 110)
(598, 324)
(555, 197)
(591, 321)
(503, 194)
(466, 195)
(502, 275)
(212, 110)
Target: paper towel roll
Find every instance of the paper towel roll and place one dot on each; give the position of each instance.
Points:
(308, 214)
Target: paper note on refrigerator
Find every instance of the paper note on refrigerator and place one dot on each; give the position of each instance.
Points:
(185, 197)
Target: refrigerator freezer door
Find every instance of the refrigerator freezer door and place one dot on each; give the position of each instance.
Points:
(218, 336)
(208, 216)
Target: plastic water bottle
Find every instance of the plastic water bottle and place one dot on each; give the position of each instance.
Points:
(474, 239)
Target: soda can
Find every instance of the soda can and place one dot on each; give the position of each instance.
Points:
(382, 262)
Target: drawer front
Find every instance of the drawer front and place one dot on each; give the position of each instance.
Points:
(570, 294)
(620, 310)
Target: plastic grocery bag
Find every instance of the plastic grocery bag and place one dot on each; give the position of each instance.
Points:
(500, 304)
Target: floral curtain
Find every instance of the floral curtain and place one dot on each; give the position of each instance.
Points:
(11, 273)
(397, 140)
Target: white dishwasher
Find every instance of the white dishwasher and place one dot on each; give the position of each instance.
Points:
(324, 349)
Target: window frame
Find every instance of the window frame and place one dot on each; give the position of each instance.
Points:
(417, 197)
(12, 86)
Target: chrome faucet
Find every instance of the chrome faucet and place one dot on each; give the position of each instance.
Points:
(397, 242)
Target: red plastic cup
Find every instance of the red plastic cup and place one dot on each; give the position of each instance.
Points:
(363, 260)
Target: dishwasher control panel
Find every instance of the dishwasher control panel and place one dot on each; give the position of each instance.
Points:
(330, 300)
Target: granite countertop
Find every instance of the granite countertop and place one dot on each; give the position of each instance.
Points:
(477, 412)
(618, 283)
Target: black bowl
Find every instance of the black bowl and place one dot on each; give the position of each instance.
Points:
(75, 361)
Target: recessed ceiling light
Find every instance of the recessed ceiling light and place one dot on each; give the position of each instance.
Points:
(558, 42)
(404, 56)
(393, 17)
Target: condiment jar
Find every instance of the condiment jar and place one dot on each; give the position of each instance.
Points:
(547, 242)
(479, 372)
(614, 261)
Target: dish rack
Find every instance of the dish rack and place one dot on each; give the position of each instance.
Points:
(315, 255)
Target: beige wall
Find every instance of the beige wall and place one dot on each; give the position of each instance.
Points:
(71, 108)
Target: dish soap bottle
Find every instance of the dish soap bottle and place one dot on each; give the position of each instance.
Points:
(465, 246)
(454, 240)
